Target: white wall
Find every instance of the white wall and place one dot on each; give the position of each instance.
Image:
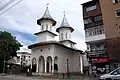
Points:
(68, 44)
(45, 37)
(64, 54)
(64, 31)
(36, 52)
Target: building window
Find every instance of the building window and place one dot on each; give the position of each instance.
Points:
(87, 21)
(46, 26)
(66, 35)
(62, 36)
(118, 27)
(18, 59)
(42, 27)
(116, 1)
(91, 8)
(117, 12)
(50, 28)
(33, 50)
(41, 50)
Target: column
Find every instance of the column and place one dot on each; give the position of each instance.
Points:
(81, 64)
(37, 66)
(52, 66)
(45, 66)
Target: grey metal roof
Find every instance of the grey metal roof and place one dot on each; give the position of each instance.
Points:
(47, 14)
(64, 22)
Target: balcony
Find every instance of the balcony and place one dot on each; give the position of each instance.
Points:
(93, 21)
(95, 34)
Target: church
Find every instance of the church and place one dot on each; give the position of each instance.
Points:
(50, 56)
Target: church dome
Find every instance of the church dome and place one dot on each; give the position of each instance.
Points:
(46, 16)
(64, 24)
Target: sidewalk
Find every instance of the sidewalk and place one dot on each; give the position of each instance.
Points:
(22, 77)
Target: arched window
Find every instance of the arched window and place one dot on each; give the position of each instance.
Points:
(50, 28)
(46, 26)
(66, 35)
(62, 36)
(42, 27)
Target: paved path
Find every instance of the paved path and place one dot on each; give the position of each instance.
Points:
(18, 77)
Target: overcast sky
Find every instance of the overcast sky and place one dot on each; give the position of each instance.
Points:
(21, 19)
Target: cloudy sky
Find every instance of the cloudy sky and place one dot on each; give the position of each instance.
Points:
(21, 19)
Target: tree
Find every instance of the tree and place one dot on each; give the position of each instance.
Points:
(8, 46)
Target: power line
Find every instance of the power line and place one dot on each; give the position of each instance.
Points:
(11, 7)
(6, 4)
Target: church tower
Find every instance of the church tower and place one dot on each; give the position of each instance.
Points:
(65, 31)
(46, 25)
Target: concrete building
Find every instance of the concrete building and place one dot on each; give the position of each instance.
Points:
(50, 56)
(101, 24)
(23, 58)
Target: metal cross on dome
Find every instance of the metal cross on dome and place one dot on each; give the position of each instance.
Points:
(64, 13)
(47, 4)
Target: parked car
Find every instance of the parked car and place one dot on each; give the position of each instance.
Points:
(114, 75)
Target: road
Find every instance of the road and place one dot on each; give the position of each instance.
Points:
(17, 77)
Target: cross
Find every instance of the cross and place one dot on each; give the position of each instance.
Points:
(47, 4)
(64, 12)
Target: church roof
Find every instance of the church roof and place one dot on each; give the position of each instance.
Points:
(46, 16)
(47, 32)
(51, 42)
(65, 24)
(68, 40)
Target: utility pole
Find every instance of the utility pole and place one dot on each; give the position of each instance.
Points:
(5, 58)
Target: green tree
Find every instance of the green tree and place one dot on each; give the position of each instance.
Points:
(8, 46)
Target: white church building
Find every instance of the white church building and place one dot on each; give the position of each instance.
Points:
(49, 55)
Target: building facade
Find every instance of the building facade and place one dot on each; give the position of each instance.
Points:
(101, 24)
(23, 58)
(50, 56)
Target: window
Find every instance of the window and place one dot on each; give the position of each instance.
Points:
(66, 35)
(46, 26)
(50, 28)
(116, 1)
(91, 8)
(41, 50)
(61, 36)
(87, 21)
(118, 12)
(42, 27)
(98, 18)
(18, 59)
(118, 27)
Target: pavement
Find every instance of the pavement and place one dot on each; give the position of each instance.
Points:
(21, 77)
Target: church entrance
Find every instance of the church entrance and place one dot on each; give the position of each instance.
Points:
(49, 64)
(41, 64)
(34, 65)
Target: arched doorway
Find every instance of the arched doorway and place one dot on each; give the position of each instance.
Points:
(41, 64)
(55, 64)
(49, 64)
(34, 64)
